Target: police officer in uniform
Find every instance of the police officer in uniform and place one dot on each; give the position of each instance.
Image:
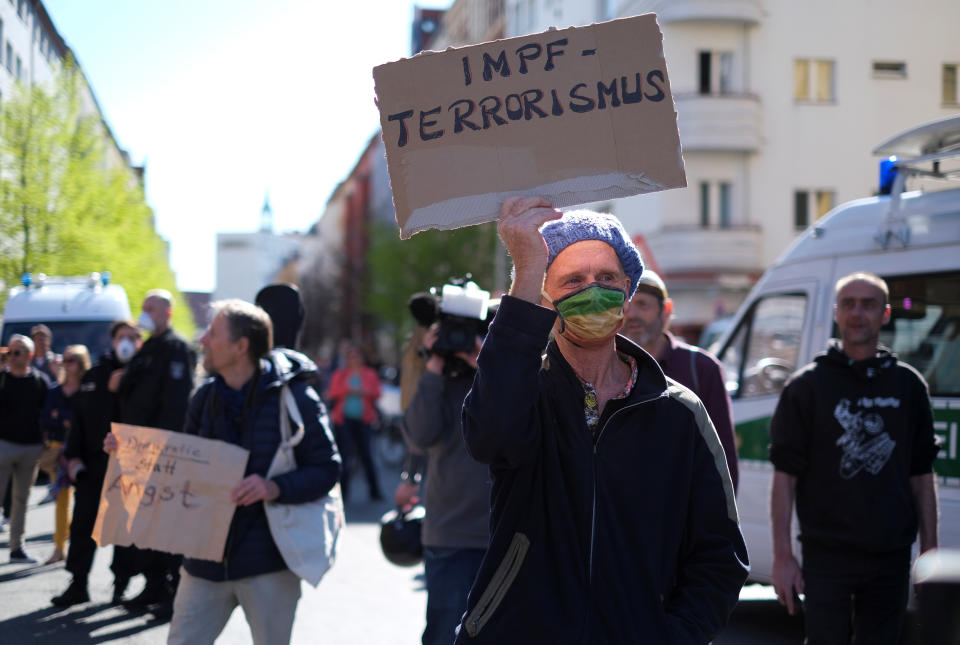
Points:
(95, 408)
(154, 391)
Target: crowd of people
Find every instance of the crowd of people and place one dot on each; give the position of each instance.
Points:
(578, 463)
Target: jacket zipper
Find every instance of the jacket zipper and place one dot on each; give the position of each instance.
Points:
(593, 511)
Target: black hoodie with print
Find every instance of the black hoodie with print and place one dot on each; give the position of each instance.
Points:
(853, 433)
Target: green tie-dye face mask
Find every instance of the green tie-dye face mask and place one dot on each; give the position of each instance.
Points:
(592, 312)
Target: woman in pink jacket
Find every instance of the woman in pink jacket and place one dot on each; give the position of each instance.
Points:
(353, 393)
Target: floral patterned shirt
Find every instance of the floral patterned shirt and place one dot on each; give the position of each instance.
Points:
(591, 404)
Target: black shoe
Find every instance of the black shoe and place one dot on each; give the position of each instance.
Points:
(119, 586)
(164, 611)
(152, 594)
(75, 594)
(20, 556)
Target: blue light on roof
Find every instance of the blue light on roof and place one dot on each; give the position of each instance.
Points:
(888, 174)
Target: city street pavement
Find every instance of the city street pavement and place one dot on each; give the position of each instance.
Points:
(363, 599)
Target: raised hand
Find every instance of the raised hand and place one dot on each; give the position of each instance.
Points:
(519, 228)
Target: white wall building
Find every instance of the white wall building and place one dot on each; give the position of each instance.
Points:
(779, 105)
(247, 262)
(31, 52)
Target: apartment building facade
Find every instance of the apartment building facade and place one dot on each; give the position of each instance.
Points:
(779, 105)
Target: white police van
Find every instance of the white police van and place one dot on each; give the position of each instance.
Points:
(912, 240)
(78, 310)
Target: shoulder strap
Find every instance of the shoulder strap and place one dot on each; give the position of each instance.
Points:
(290, 410)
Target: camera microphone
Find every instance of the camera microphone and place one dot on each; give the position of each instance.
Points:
(424, 308)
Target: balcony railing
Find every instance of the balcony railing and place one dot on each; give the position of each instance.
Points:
(730, 122)
(689, 249)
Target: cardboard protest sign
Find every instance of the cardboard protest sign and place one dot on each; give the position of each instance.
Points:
(576, 115)
(169, 491)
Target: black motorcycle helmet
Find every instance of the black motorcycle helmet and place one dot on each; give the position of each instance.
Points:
(400, 536)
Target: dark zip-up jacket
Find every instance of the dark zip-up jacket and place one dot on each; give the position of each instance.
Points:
(629, 538)
(156, 386)
(94, 408)
(700, 371)
(854, 433)
(250, 549)
(21, 406)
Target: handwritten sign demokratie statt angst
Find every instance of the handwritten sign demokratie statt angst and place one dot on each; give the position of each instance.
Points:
(169, 491)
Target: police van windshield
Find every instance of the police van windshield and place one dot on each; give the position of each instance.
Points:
(95, 334)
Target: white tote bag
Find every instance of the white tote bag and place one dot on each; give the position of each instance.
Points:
(306, 534)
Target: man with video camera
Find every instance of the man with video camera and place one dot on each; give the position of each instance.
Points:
(457, 492)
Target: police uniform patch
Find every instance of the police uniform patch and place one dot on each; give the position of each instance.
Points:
(176, 370)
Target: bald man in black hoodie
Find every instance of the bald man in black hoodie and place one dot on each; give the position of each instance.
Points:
(852, 443)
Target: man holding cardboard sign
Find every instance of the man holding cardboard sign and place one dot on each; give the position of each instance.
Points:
(613, 516)
(241, 405)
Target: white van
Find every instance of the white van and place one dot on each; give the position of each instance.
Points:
(911, 239)
(78, 310)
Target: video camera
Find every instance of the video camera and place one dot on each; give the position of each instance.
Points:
(462, 310)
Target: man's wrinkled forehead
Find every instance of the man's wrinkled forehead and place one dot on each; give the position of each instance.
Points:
(584, 256)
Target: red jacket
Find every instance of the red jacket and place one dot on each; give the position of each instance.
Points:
(340, 388)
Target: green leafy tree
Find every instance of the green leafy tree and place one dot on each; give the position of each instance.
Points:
(67, 208)
(399, 268)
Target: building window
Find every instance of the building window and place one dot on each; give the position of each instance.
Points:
(725, 79)
(715, 72)
(724, 204)
(813, 80)
(705, 204)
(810, 205)
(824, 201)
(19, 69)
(21, 5)
(9, 58)
(706, 59)
(889, 69)
(948, 84)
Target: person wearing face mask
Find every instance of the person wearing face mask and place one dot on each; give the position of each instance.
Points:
(154, 391)
(613, 517)
(95, 406)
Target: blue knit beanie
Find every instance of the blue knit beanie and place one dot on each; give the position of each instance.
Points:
(577, 226)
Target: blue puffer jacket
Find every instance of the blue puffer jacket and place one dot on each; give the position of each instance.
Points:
(250, 549)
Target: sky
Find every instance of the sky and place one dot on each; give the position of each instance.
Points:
(225, 101)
